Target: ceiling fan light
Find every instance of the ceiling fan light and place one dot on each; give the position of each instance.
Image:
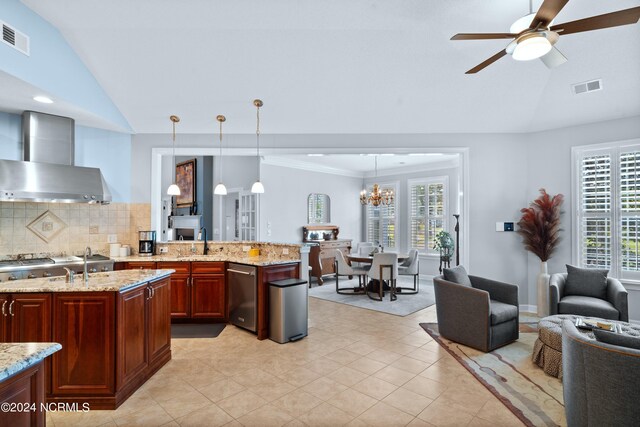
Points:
(531, 48)
(257, 188)
(173, 190)
(220, 190)
(521, 24)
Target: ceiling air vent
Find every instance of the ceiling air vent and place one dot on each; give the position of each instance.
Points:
(15, 38)
(590, 86)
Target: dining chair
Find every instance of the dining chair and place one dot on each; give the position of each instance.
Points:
(384, 268)
(410, 267)
(364, 248)
(343, 268)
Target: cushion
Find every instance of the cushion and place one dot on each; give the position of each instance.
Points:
(588, 282)
(457, 275)
(501, 312)
(588, 306)
(614, 338)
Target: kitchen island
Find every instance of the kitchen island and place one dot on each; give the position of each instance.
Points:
(22, 383)
(114, 330)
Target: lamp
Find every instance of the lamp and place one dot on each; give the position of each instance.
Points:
(257, 186)
(173, 189)
(531, 46)
(220, 189)
(376, 197)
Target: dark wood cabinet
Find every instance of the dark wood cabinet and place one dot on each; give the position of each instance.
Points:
(198, 290)
(132, 343)
(136, 265)
(83, 323)
(159, 321)
(208, 296)
(25, 317)
(25, 388)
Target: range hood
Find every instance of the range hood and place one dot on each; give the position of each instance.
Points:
(47, 173)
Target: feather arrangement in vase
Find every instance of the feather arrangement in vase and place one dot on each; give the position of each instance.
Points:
(540, 225)
(540, 231)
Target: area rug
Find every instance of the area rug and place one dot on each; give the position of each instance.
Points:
(196, 330)
(403, 306)
(508, 372)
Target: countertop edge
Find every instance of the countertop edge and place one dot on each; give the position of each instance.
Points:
(27, 360)
(256, 261)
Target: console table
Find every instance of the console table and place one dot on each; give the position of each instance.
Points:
(322, 254)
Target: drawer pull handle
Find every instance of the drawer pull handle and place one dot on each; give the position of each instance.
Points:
(11, 308)
(247, 273)
(3, 306)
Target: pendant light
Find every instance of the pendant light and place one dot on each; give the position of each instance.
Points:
(173, 189)
(220, 189)
(257, 186)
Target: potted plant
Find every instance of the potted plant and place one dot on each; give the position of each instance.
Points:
(444, 244)
(540, 231)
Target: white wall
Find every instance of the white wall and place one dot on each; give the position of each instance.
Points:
(284, 204)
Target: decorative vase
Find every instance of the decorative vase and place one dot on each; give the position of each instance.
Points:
(543, 290)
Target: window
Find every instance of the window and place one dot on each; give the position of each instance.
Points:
(427, 212)
(381, 220)
(608, 210)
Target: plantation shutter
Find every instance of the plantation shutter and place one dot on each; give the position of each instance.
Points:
(381, 220)
(596, 214)
(630, 210)
(427, 213)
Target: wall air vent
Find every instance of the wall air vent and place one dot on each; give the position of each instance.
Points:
(584, 87)
(15, 38)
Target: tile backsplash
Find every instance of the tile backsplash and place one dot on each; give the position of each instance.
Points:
(67, 228)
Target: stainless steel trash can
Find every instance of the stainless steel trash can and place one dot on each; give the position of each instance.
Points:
(288, 310)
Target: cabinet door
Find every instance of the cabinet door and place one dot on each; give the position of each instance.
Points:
(31, 317)
(5, 300)
(26, 387)
(208, 296)
(84, 325)
(180, 296)
(159, 319)
(132, 344)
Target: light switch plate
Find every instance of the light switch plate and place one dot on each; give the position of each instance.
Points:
(164, 250)
(112, 238)
(285, 251)
(246, 248)
(505, 226)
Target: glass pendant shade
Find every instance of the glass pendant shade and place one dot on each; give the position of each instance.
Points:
(257, 187)
(173, 190)
(531, 48)
(220, 190)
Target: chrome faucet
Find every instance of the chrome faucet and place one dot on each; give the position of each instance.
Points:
(85, 274)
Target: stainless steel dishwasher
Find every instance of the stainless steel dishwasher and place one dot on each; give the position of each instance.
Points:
(243, 292)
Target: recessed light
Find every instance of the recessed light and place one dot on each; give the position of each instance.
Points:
(43, 99)
(315, 155)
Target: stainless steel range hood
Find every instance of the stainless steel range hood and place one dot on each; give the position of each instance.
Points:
(48, 173)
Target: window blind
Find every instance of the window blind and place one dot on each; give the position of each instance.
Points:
(427, 213)
(630, 210)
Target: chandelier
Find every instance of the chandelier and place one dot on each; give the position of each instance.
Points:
(377, 197)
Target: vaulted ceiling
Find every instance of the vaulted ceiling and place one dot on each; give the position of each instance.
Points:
(336, 66)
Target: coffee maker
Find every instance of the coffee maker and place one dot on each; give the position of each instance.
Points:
(147, 243)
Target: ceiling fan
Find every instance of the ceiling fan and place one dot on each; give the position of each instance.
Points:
(534, 36)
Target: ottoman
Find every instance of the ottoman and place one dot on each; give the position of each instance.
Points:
(547, 350)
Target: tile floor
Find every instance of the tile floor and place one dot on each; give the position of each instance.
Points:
(357, 367)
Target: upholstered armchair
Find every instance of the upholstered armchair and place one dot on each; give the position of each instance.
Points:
(600, 381)
(613, 306)
(474, 311)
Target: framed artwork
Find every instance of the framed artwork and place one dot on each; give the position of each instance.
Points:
(186, 181)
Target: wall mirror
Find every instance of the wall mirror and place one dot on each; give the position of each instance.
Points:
(319, 208)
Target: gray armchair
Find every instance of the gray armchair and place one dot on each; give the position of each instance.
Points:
(614, 307)
(600, 381)
(483, 315)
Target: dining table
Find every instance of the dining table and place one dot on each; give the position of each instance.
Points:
(368, 259)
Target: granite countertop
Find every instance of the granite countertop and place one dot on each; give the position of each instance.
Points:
(16, 357)
(261, 260)
(112, 281)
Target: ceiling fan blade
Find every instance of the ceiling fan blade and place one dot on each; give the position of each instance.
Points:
(548, 10)
(488, 62)
(483, 36)
(553, 58)
(608, 20)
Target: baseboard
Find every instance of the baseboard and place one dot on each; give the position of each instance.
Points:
(527, 308)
